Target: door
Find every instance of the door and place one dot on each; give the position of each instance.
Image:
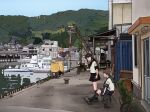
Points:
(147, 69)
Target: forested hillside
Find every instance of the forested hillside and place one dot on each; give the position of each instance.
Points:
(52, 26)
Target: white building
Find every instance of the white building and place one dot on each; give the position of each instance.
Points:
(120, 15)
(49, 48)
(29, 50)
(72, 57)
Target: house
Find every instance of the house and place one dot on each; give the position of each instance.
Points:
(49, 48)
(120, 19)
(71, 57)
(29, 50)
(140, 30)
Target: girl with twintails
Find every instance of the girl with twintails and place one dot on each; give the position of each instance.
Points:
(94, 75)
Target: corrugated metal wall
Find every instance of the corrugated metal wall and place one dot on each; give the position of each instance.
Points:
(123, 57)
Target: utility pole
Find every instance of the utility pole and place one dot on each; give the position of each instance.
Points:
(70, 31)
(70, 36)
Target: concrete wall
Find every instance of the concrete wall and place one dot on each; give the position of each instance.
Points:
(140, 8)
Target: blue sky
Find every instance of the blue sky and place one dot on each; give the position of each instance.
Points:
(47, 7)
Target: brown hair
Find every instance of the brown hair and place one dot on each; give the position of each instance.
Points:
(107, 71)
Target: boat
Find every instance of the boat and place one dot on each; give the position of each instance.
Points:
(35, 68)
(37, 63)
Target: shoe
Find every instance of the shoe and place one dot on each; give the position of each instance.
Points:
(106, 106)
(90, 99)
(93, 98)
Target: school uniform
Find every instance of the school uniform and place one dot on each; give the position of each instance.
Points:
(108, 87)
(93, 74)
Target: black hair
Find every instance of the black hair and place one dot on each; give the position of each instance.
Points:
(88, 55)
(93, 59)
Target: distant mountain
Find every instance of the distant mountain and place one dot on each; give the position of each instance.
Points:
(89, 21)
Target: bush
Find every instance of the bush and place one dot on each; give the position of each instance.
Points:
(126, 96)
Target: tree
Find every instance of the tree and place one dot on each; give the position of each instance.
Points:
(3, 81)
(46, 35)
(62, 38)
(37, 40)
(77, 43)
(26, 81)
(18, 80)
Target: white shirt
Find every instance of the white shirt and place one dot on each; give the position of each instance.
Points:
(111, 84)
(92, 67)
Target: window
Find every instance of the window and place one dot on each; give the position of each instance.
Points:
(135, 50)
(146, 57)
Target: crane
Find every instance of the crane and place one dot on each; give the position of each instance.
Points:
(84, 45)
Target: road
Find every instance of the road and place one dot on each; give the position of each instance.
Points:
(55, 96)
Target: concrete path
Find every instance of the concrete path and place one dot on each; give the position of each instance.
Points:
(55, 96)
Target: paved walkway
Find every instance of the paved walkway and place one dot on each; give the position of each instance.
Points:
(55, 96)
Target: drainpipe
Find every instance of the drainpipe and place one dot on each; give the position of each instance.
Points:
(94, 45)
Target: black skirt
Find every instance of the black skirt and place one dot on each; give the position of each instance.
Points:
(93, 77)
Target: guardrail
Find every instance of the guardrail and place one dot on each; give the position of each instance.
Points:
(10, 93)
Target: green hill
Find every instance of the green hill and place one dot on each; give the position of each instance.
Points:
(14, 26)
(85, 19)
(88, 21)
